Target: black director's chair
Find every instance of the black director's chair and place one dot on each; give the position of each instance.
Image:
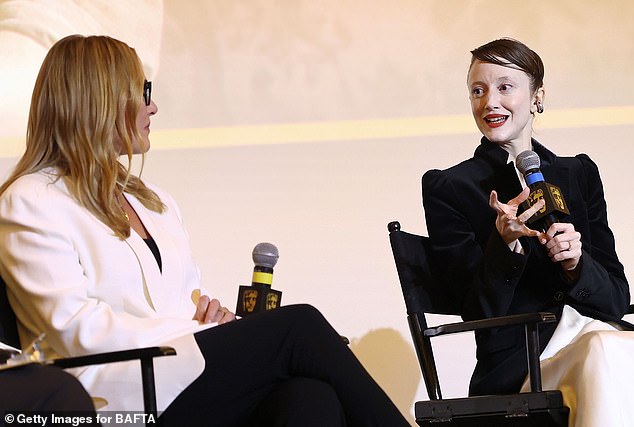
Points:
(423, 295)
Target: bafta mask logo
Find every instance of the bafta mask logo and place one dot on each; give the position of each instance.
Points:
(272, 301)
(557, 198)
(249, 299)
(534, 198)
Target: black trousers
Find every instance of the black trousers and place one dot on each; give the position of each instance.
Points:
(42, 388)
(286, 367)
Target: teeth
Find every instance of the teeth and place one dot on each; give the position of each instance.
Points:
(496, 120)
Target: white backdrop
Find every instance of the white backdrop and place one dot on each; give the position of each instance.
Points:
(309, 124)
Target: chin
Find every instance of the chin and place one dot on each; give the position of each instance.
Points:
(143, 148)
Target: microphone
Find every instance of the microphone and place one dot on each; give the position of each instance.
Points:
(528, 164)
(260, 297)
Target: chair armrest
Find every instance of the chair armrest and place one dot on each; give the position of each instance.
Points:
(145, 356)
(113, 356)
(493, 322)
(530, 322)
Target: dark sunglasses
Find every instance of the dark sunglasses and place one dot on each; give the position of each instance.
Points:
(147, 92)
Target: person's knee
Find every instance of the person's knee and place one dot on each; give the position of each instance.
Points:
(68, 393)
(56, 390)
(596, 345)
(301, 310)
(304, 314)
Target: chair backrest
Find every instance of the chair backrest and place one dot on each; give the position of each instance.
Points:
(422, 294)
(8, 323)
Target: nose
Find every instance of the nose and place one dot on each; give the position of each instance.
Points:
(491, 101)
(152, 109)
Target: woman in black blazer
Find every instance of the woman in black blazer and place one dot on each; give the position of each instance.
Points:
(487, 254)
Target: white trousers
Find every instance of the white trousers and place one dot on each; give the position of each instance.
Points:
(592, 363)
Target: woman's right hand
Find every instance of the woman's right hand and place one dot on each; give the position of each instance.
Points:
(508, 224)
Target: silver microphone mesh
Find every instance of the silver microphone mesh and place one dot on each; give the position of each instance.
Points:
(527, 160)
(265, 255)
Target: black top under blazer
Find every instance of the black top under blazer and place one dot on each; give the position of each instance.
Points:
(491, 280)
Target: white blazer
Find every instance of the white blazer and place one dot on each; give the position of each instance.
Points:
(68, 275)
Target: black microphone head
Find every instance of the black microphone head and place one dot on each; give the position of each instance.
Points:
(265, 255)
(526, 161)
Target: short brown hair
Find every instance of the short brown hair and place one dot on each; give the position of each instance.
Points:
(508, 52)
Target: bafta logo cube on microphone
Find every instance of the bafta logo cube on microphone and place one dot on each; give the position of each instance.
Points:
(554, 201)
(260, 297)
(555, 209)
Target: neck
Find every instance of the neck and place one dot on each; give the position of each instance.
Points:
(517, 146)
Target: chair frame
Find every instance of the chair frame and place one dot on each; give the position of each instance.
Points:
(419, 301)
(145, 355)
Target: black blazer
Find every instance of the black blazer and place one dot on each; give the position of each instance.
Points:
(478, 267)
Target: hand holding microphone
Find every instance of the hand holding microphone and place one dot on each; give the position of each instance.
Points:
(563, 244)
(555, 208)
(260, 297)
(560, 239)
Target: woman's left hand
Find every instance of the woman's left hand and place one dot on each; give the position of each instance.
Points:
(209, 311)
(563, 244)
(509, 226)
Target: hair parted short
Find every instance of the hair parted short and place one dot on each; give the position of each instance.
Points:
(508, 52)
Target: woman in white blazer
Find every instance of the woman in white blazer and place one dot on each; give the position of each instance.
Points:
(100, 261)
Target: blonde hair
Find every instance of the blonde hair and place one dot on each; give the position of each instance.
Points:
(83, 116)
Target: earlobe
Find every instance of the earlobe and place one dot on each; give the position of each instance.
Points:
(536, 107)
(540, 107)
(539, 98)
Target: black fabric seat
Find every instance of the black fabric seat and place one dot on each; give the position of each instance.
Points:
(423, 295)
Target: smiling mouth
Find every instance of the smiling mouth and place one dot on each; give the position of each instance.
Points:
(495, 121)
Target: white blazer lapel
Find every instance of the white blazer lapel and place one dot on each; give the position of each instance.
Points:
(159, 284)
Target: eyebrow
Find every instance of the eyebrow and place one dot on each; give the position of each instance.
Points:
(497, 81)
